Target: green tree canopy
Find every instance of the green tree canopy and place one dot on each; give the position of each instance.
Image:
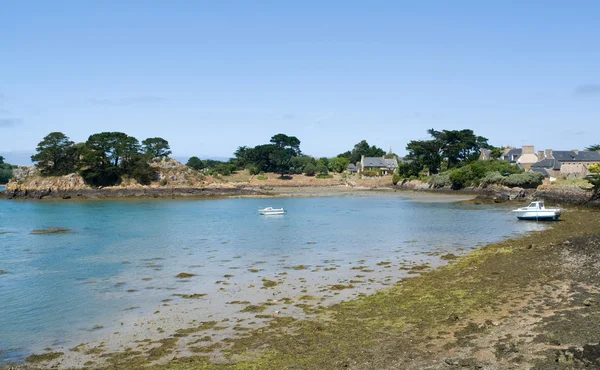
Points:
(496, 153)
(453, 148)
(156, 147)
(1, 159)
(54, 155)
(195, 163)
(593, 147)
(338, 164)
(360, 149)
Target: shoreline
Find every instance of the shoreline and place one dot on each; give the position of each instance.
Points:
(496, 307)
(553, 195)
(157, 193)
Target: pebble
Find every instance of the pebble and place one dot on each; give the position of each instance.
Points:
(588, 302)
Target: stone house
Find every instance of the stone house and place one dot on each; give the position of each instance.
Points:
(565, 163)
(387, 166)
(523, 157)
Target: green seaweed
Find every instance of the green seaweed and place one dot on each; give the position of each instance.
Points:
(35, 359)
(51, 230)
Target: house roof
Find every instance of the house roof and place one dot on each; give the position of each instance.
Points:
(542, 171)
(548, 163)
(485, 153)
(513, 152)
(571, 156)
(373, 162)
(390, 162)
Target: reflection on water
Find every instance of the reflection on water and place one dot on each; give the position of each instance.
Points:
(121, 260)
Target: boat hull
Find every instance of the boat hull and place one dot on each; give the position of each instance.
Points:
(270, 213)
(539, 218)
(539, 215)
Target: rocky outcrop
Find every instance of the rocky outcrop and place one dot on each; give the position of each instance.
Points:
(172, 179)
(566, 195)
(120, 192)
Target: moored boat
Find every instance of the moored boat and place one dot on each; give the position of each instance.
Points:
(271, 211)
(537, 211)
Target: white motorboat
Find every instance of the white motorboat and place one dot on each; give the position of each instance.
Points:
(537, 211)
(271, 211)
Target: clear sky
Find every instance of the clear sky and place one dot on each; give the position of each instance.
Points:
(212, 76)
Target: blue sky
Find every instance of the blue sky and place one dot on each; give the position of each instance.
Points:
(210, 77)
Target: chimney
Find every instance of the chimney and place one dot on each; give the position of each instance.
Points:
(540, 155)
(549, 154)
(528, 149)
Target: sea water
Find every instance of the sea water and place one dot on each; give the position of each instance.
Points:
(120, 259)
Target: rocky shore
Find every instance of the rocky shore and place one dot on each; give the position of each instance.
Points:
(136, 192)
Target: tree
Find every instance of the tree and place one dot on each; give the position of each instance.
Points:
(285, 148)
(114, 147)
(496, 153)
(53, 155)
(310, 169)
(338, 164)
(454, 148)
(321, 168)
(156, 147)
(593, 148)
(298, 164)
(6, 171)
(425, 153)
(360, 149)
(459, 146)
(594, 180)
(108, 155)
(140, 170)
(195, 163)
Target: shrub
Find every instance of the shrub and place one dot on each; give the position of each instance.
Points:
(440, 180)
(261, 177)
(595, 168)
(462, 177)
(164, 182)
(253, 170)
(310, 169)
(524, 180)
(396, 178)
(491, 178)
(371, 173)
(321, 168)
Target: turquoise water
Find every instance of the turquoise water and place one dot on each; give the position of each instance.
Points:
(2, 188)
(123, 254)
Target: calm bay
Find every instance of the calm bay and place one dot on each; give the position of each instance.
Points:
(115, 270)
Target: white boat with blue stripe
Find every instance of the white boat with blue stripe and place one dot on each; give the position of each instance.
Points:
(537, 211)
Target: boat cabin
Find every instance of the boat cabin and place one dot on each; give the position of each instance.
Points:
(536, 205)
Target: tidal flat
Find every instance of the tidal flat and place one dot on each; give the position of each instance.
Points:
(328, 313)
